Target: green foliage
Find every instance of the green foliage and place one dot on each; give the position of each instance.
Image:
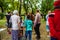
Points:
(2, 23)
(1, 15)
(46, 6)
(28, 5)
(3, 5)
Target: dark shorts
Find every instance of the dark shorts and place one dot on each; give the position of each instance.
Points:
(20, 31)
(9, 25)
(52, 38)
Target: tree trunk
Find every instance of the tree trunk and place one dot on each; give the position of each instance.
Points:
(20, 8)
(2, 9)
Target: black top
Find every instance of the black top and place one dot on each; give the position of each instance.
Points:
(8, 17)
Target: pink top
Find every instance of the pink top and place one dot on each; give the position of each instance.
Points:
(37, 18)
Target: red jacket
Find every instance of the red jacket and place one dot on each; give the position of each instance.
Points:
(54, 24)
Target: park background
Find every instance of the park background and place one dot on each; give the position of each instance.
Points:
(25, 6)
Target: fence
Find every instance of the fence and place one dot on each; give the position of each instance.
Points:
(2, 33)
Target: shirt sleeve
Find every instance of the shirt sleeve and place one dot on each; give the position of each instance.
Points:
(18, 19)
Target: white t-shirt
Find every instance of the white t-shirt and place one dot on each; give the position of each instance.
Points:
(47, 16)
(15, 20)
(22, 24)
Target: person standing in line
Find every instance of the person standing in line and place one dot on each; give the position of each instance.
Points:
(37, 24)
(21, 31)
(15, 19)
(54, 21)
(8, 23)
(47, 23)
(28, 25)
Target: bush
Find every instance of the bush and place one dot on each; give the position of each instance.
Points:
(1, 15)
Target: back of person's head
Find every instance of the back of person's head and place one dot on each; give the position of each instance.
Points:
(28, 16)
(20, 17)
(37, 10)
(8, 12)
(15, 12)
(57, 4)
(49, 12)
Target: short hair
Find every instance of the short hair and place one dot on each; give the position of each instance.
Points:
(15, 12)
(37, 10)
(8, 12)
(20, 17)
(28, 16)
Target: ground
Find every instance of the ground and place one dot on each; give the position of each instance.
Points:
(42, 31)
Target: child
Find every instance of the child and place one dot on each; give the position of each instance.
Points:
(28, 25)
(21, 29)
(47, 23)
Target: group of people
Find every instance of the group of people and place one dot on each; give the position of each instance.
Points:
(31, 21)
(16, 25)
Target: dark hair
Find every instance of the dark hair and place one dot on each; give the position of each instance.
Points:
(28, 16)
(57, 7)
(37, 10)
(8, 12)
(20, 17)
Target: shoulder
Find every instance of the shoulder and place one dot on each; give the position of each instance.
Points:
(31, 21)
(52, 15)
(17, 16)
(37, 14)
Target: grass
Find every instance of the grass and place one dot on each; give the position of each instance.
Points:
(42, 21)
(2, 23)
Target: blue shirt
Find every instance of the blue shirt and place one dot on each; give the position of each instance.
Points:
(28, 24)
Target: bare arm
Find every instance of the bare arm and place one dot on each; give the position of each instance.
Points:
(19, 23)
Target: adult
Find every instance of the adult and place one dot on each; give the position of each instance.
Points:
(37, 23)
(15, 19)
(8, 23)
(54, 21)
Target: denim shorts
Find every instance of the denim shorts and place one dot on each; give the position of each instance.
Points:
(47, 28)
